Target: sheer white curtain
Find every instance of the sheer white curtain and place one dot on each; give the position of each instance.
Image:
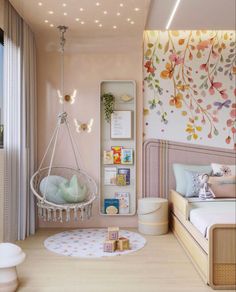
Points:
(19, 125)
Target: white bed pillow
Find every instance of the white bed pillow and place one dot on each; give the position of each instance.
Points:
(180, 175)
(223, 169)
(223, 186)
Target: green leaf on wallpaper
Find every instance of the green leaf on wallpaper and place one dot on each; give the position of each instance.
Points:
(228, 60)
(152, 33)
(160, 46)
(211, 65)
(220, 69)
(150, 45)
(199, 54)
(221, 59)
(157, 60)
(148, 52)
(202, 77)
(166, 47)
(231, 56)
(216, 132)
(232, 44)
(189, 137)
(225, 36)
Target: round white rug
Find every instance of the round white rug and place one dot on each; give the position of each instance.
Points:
(88, 243)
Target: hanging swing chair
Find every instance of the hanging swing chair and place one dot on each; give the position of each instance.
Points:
(51, 210)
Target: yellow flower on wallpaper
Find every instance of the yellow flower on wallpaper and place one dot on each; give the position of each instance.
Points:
(176, 100)
(168, 72)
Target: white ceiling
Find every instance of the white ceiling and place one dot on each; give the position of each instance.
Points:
(151, 14)
(193, 14)
(112, 24)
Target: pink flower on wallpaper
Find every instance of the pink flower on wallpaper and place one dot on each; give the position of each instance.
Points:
(214, 85)
(204, 67)
(176, 59)
(214, 54)
(233, 111)
(203, 45)
(223, 94)
(149, 67)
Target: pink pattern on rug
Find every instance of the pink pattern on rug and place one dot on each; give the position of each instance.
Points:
(88, 243)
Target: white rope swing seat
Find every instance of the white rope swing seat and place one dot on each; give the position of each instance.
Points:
(53, 211)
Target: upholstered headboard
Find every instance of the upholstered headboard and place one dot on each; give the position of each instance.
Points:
(159, 155)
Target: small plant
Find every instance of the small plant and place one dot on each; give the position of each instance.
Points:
(109, 101)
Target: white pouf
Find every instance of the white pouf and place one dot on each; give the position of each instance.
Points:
(153, 216)
(11, 255)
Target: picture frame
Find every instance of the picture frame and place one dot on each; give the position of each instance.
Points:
(121, 125)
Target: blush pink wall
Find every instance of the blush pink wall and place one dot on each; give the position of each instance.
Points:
(84, 71)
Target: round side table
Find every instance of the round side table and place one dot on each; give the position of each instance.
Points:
(153, 216)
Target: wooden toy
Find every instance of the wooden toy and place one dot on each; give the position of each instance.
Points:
(109, 246)
(113, 233)
(123, 244)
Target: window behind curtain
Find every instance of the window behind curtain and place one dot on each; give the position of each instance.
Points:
(1, 88)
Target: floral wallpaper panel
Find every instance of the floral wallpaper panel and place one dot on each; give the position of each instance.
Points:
(189, 87)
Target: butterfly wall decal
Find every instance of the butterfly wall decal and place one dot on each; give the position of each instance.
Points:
(220, 105)
(85, 127)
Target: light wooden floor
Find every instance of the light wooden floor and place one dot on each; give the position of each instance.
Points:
(160, 266)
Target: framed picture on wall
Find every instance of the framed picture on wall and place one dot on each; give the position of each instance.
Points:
(121, 125)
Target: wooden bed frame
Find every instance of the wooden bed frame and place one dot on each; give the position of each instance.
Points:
(215, 258)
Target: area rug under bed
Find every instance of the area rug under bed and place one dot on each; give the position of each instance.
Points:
(88, 243)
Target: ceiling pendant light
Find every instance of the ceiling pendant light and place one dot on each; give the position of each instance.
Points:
(61, 93)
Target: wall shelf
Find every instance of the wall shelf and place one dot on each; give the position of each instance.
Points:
(118, 88)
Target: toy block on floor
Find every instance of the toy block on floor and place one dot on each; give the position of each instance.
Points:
(123, 244)
(113, 233)
(109, 246)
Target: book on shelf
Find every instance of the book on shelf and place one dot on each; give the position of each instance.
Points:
(121, 180)
(116, 154)
(126, 156)
(111, 206)
(123, 198)
(110, 176)
(126, 172)
(108, 157)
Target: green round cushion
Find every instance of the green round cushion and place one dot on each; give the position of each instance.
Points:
(73, 192)
(53, 192)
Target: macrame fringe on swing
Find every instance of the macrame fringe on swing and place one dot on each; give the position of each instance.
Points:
(50, 211)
